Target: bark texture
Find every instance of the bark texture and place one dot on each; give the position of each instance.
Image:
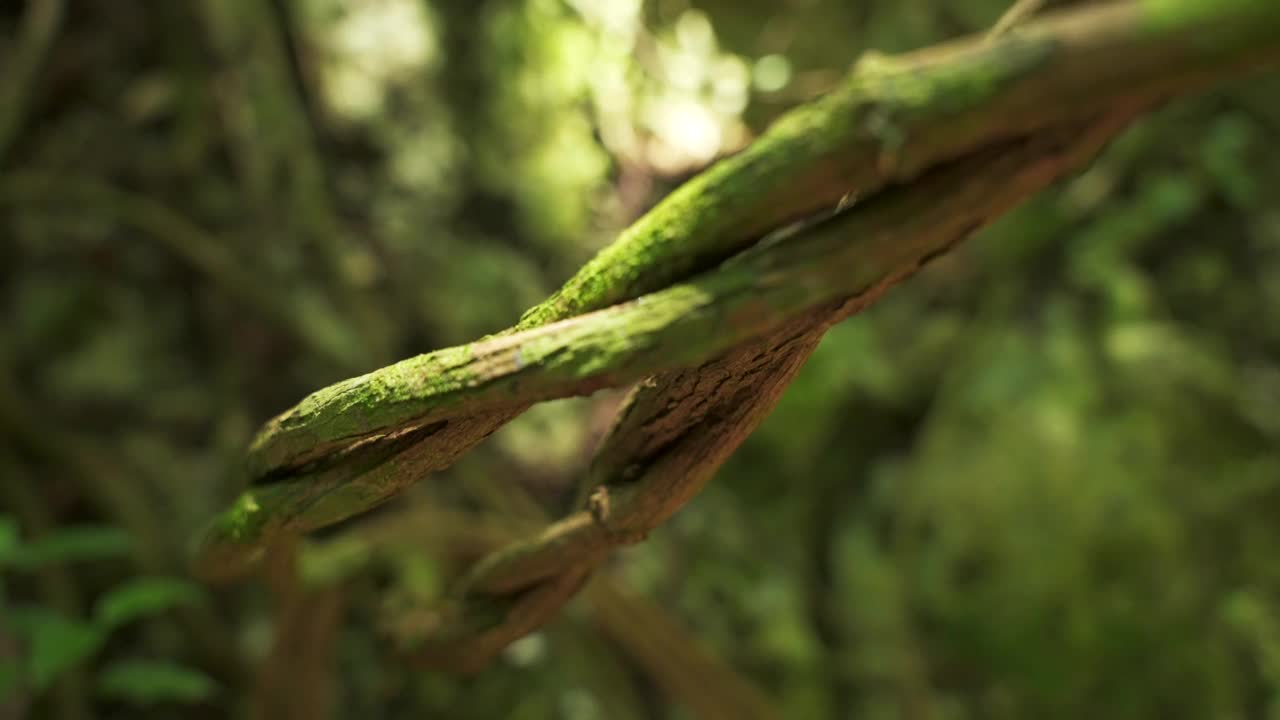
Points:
(714, 300)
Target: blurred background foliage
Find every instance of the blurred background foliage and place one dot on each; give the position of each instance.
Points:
(1040, 480)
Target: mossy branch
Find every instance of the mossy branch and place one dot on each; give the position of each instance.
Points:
(679, 427)
(901, 135)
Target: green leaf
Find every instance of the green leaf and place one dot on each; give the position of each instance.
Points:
(77, 543)
(146, 682)
(144, 597)
(55, 642)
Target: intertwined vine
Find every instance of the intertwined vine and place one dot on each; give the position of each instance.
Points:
(713, 300)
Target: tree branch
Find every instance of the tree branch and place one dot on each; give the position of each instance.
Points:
(678, 428)
(965, 120)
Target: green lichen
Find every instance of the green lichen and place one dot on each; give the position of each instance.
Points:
(338, 504)
(242, 520)
(233, 539)
(362, 406)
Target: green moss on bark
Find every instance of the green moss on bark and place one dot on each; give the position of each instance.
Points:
(822, 148)
(350, 446)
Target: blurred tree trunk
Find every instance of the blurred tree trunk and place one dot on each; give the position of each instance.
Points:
(298, 679)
